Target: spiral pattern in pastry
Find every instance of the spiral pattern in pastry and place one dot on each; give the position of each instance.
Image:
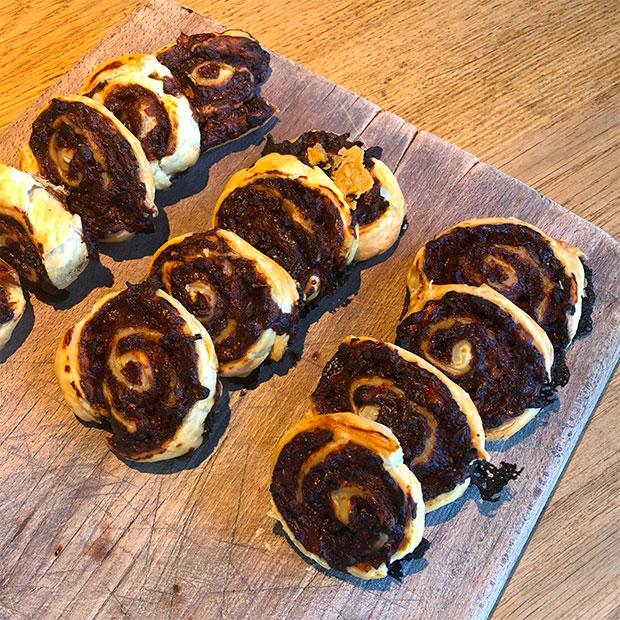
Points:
(39, 237)
(295, 215)
(343, 495)
(370, 187)
(143, 364)
(220, 74)
(487, 345)
(12, 302)
(543, 276)
(246, 301)
(79, 144)
(434, 419)
(146, 98)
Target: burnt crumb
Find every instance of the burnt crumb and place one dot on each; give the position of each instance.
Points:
(587, 305)
(560, 373)
(490, 480)
(395, 569)
(316, 356)
(548, 395)
(172, 340)
(58, 550)
(242, 393)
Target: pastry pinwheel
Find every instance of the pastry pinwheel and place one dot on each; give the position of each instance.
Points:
(147, 99)
(246, 301)
(79, 144)
(294, 214)
(344, 496)
(434, 419)
(370, 187)
(488, 346)
(221, 74)
(39, 236)
(141, 364)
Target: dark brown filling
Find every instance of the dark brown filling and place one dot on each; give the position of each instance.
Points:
(6, 309)
(258, 213)
(506, 373)
(20, 252)
(8, 278)
(370, 205)
(226, 125)
(417, 394)
(137, 107)
(103, 176)
(477, 255)
(242, 294)
(172, 382)
(221, 76)
(380, 512)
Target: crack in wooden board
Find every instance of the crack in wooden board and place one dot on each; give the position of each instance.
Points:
(87, 535)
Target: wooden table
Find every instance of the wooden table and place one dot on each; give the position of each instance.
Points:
(531, 88)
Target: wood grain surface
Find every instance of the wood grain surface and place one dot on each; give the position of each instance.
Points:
(532, 89)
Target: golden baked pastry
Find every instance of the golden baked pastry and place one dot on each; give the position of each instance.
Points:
(146, 98)
(79, 144)
(543, 276)
(142, 364)
(434, 419)
(370, 187)
(344, 496)
(487, 345)
(295, 215)
(221, 73)
(12, 302)
(39, 237)
(245, 300)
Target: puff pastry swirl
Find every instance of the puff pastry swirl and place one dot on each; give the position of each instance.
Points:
(79, 144)
(221, 74)
(12, 302)
(543, 276)
(246, 301)
(370, 187)
(142, 364)
(295, 215)
(146, 98)
(488, 346)
(434, 419)
(343, 495)
(39, 237)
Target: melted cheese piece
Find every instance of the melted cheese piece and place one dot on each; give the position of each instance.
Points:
(12, 291)
(433, 292)
(146, 71)
(56, 234)
(348, 427)
(288, 166)
(189, 435)
(283, 292)
(569, 256)
(349, 173)
(28, 162)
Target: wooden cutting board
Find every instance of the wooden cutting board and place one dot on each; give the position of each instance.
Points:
(84, 534)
